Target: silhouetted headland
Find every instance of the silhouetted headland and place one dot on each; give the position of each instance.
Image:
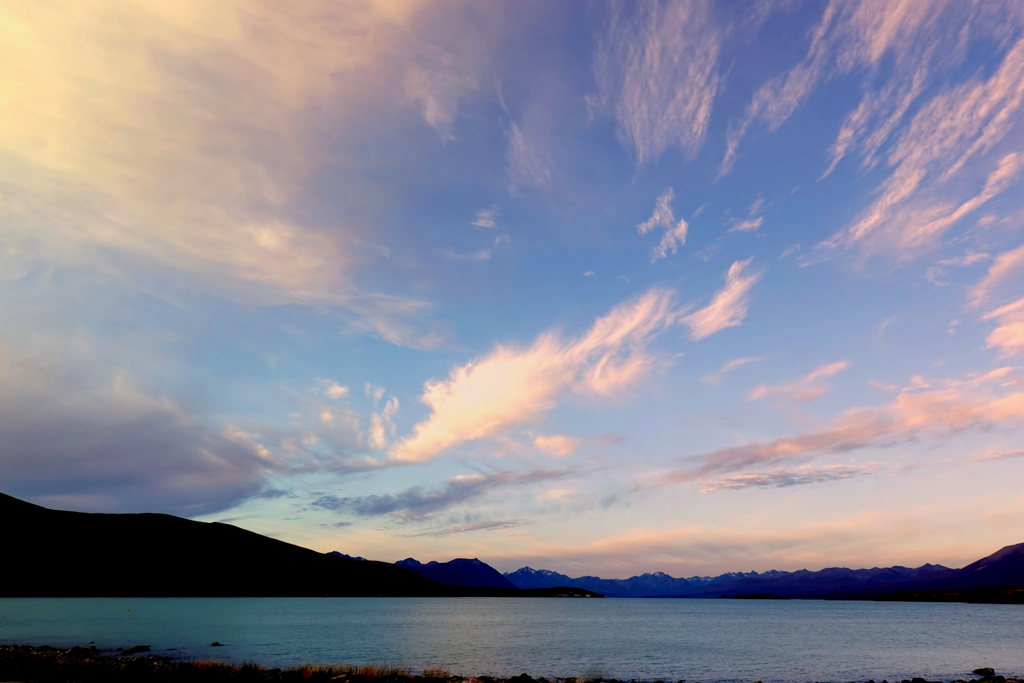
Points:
(77, 554)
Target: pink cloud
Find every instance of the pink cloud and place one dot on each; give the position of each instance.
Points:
(804, 389)
(514, 386)
(1008, 336)
(729, 306)
(951, 407)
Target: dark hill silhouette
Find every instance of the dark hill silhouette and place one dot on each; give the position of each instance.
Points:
(996, 578)
(55, 553)
(460, 572)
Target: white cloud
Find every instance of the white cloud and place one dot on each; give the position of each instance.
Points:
(486, 218)
(747, 225)
(332, 389)
(664, 217)
(657, 70)
(557, 444)
(802, 390)
(374, 392)
(513, 386)
(382, 425)
(729, 306)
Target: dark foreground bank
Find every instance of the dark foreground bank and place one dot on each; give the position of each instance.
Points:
(45, 664)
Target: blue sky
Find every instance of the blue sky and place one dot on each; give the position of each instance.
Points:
(596, 287)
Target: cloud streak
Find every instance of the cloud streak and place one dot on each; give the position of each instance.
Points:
(954, 407)
(417, 503)
(782, 477)
(656, 68)
(805, 389)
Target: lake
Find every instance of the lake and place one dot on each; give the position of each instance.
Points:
(696, 640)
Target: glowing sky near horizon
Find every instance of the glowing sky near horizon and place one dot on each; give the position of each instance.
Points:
(602, 288)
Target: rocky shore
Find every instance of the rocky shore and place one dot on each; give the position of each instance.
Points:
(45, 664)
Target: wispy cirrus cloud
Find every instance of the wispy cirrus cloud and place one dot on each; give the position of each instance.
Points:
(470, 528)
(996, 455)
(805, 389)
(944, 136)
(719, 376)
(1004, 267)
(851, 35)
(674, 235)
(527, 162)
(796, 476)
(656, 68)
(729, 306)
(514, 386)
(951, 407)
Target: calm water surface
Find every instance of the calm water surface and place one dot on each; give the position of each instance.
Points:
(697, 640)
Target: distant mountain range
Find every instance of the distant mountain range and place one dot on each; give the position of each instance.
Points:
(996, 578)
(463, 572)
(55, 553)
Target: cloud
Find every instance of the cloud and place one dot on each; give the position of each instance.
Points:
(747, 225)
(656, 68)
(950, 407)
(1009, 335)
(852, 35)
(76, 438)
(1005, 266)
(417, 503)
(486, 218)
(439, 79)
(996, 455)
(382, 425)
(374, 392)
(482, 255)
(514, 386)
(729, 306)
(797, 476)
(170, 142)
(526, 162)
(557, 444)
(802, 390)
(717, 377)
(469, 528)
(674, 235)
(945, 134)
(332, 389)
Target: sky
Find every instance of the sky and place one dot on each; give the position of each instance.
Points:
(598, 287)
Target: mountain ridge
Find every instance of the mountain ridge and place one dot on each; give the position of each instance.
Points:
(1000, 571)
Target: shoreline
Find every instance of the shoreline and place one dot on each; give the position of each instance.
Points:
(46, 664)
